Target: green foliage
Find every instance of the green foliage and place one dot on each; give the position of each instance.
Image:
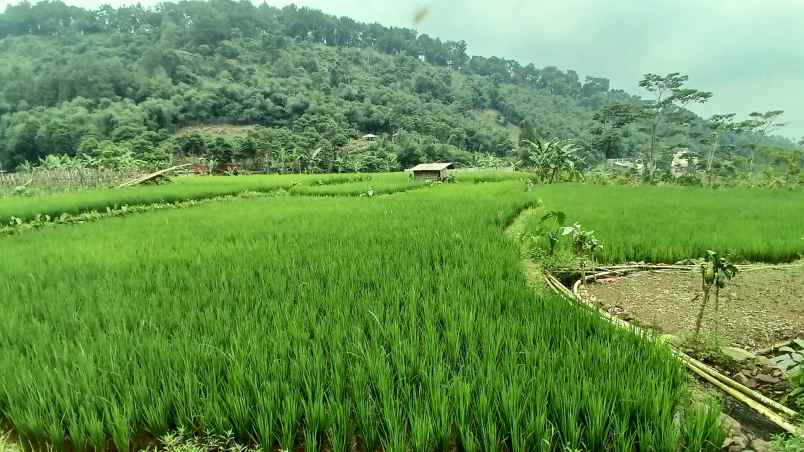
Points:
(182, 441)
(796, 395)
(716, 272)
(666, 112)
(549, 225)
(237, 317)
(543, 241)
(584, 242)
(554, 160)
(136, 79)
(134, 76)
(787, 443)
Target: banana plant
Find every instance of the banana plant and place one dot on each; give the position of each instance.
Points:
(716, 272)
(553, 158)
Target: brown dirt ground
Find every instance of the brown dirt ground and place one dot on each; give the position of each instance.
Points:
(757, 309)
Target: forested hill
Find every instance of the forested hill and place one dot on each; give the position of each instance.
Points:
(308, 85)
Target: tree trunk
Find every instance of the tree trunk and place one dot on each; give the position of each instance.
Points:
(651, 151)
(717, 306)
(699, 320)
(711, 159)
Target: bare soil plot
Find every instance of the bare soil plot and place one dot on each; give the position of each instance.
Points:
(757, 309)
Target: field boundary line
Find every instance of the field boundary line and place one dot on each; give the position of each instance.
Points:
(18, 225)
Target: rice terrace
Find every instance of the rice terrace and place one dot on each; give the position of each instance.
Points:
(228, 226)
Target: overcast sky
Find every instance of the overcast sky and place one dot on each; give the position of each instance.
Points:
(749, 53)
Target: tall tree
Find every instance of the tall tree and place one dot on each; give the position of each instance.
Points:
(669, 98)
(718, 126)
(761, 125)
(611, 121)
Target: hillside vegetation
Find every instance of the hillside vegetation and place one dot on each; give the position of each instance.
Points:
(122, 81)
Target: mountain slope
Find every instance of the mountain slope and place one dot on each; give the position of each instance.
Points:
(123, 80)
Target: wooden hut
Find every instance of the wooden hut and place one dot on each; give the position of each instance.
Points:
(431, 171)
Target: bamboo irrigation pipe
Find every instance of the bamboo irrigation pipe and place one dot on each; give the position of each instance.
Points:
(754, 400)
(751, 403)
(739, 387)
(712, 371)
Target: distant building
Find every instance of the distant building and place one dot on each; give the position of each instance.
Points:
(627, 163)
(369, 137)
(684, 163)
(431, 171)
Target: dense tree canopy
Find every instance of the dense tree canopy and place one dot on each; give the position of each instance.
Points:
(76, 81)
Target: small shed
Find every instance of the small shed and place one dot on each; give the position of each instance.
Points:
(369, 137)
(431, 171)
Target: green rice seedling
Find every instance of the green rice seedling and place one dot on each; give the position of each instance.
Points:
(486, 176)
(670, 223)
(266, 421)
(701, 429)
(487, 423)
(119, 423)
(338, 432)
(597, 415)
(421, 429)
(437, 393)
(373, 185)
(289, 421)
(391, 322)
(565, 406)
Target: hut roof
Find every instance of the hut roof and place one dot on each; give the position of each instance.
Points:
(432, 166)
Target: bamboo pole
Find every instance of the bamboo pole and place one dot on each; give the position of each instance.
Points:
(756, 406)
(750, 398)
(739, 387)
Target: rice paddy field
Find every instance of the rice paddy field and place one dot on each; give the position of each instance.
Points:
(204, 187)
(369, 186)
(336, 323)
(670, 223)
(182, 188)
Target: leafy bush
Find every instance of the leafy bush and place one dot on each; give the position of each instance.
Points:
(796, 396)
